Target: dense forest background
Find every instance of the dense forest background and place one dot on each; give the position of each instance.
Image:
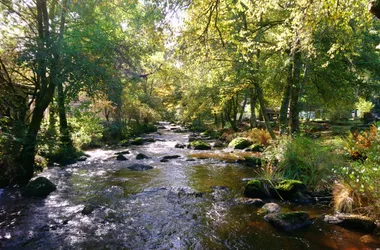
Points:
(79, 74)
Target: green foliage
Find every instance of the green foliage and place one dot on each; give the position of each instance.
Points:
(364, 106)
(306, 160)
(87, 130)
(11, 139)
(361, 178)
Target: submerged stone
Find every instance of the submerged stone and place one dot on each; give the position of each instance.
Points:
(249, 201)
(288, 221)
(239, 143)
(199, 145)
(171, 157)
(352, 221)
(140, 167)
(39, 187)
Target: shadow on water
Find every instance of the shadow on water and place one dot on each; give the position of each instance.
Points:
(179, 204)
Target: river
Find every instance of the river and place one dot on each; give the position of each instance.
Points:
(179, 204)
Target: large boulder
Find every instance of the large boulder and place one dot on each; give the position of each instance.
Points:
(200, 145)
(140, 167)
(39, 187)
(256, 189)
(288, 221)
(352, 221)
(239, 143)
(292, 190)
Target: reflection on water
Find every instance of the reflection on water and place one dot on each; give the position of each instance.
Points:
(177, 205)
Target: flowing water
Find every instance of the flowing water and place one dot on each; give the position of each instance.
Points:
(180, 204)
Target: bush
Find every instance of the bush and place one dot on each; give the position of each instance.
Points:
(259, 136)
(360, 179)
(11, 138)
(86, 127)
(305, 160)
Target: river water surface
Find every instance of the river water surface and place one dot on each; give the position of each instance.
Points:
(180, 204)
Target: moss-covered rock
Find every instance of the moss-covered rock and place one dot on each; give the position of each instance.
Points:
(255, 148)
(39, 187)
(250, 161)
(288, 221)
(255, 189)
(138, 141)
(292, 190)
(239, 143)
(199, 145)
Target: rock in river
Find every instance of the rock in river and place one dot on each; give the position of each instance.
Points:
(168, 157)
(239, 143)
(140, 167)
(121, 157)
(288, 221)
(39, 187)
(270, 208)
(141, 157)
(200, 145)
(352, 221)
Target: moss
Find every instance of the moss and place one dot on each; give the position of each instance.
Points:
(239, 143)
(138, 141)
(290, 185)
(200, 145)
(255, 189)
(255, 183)
(256, 148)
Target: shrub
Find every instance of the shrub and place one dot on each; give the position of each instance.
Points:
(361, 178)
(305, 160)
(86, 128)
(259, 136)
(11, 139)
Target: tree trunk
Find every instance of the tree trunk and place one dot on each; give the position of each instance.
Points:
(66, 141)
(285, 103)
(253, 101)
(295, 90)
(260, 96)
(243, 109)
